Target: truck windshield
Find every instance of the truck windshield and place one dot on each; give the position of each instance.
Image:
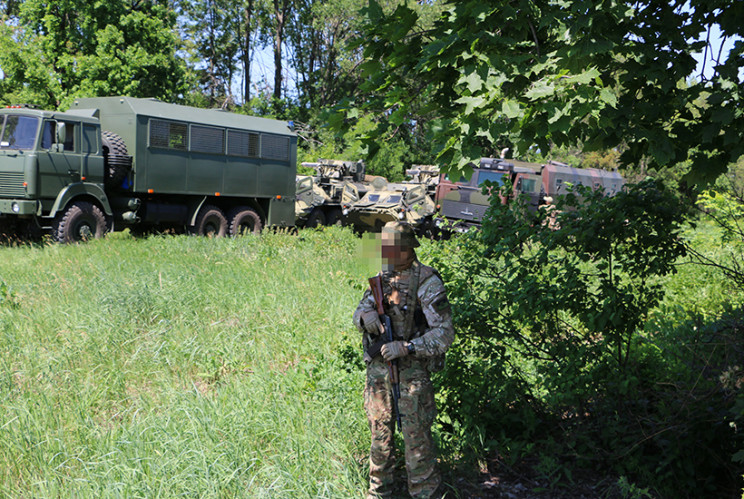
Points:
(495, 177)
(18, 132)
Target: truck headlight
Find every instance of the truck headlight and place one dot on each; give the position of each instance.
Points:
(15, 207)
(401, 215)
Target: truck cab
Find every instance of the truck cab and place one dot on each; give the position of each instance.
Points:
(43, 155)
(464, 201)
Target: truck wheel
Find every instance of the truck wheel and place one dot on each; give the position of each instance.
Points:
(335, 217)
(81, 221)
(210, 222)
(316, 219)
(116, 162)
(244, 220)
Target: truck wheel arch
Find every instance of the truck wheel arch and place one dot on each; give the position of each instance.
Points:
(74, 192)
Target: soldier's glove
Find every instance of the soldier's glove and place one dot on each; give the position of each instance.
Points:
(371, 323)
(394, 350)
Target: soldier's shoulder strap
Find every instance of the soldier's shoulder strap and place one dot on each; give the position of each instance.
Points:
(426, 272)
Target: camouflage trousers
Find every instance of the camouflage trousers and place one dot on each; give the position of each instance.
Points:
(418, 411)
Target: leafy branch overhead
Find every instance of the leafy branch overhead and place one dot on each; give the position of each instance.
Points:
(526, 74)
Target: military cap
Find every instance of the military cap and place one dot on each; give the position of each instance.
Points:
(403, 234)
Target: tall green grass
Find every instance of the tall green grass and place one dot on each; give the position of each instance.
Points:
(173, 366)
(181, 366)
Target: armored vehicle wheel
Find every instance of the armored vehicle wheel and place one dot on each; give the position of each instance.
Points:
(334, 217)
(81, 221)
(116, 161)
(316, 219)
(210, 222)
(244, 220)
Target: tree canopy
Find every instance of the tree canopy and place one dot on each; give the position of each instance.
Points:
(529, 74)
(51, 52)
(444, 79)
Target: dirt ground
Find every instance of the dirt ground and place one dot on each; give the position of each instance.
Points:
(500, 481)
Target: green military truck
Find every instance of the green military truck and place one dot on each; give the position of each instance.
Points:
(115, 162)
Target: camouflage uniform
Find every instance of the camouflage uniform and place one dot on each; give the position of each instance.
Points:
(426, 322)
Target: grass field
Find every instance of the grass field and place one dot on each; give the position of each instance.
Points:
(181, 366)
(173, 366)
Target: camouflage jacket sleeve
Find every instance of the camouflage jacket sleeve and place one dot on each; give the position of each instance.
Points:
(367, 304)
(440, 332)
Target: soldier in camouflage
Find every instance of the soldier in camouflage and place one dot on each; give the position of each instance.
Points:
(416, 302)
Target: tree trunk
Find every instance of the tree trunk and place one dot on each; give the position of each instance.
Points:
(280, 12)
(247, 53)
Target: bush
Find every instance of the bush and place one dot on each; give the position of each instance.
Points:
(553, 361)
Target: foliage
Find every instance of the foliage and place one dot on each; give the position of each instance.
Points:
(390, 161)
(599, 268)
(56, 51)
(725, 207)
(213, 32)
(526, 73)
(172, 385)
(559, 356)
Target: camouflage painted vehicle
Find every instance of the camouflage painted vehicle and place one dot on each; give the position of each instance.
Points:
(424, 174)
(464, 204)
(321, 198)
(386, 202)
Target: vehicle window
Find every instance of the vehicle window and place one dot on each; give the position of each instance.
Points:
(70, 140)
(19, 132)
(462, 180)
(274, 147)
(373, 198)
(242, 143)
(168, 134)
(207, 139)
(90, 139)
(497, 178)
(47, 134)
(393, 199)
(528, 185)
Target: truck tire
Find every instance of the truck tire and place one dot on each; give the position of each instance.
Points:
(210, 222)
(80, 221)
(316, 218)
(116, 161)
(244, 220)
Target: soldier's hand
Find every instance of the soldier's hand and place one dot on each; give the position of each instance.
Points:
(394, 350)
(371, 323)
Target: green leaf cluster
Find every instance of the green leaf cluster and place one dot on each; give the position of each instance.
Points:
(56, 51)
(528, 74)
(567, 353)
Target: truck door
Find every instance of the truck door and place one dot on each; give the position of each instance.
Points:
(59, 162)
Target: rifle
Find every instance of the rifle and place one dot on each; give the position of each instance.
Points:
(375, 284)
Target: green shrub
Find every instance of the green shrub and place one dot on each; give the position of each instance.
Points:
(554, 359)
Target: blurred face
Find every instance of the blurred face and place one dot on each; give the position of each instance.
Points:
(394, 256)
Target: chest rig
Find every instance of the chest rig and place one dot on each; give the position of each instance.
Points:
(401, 302)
